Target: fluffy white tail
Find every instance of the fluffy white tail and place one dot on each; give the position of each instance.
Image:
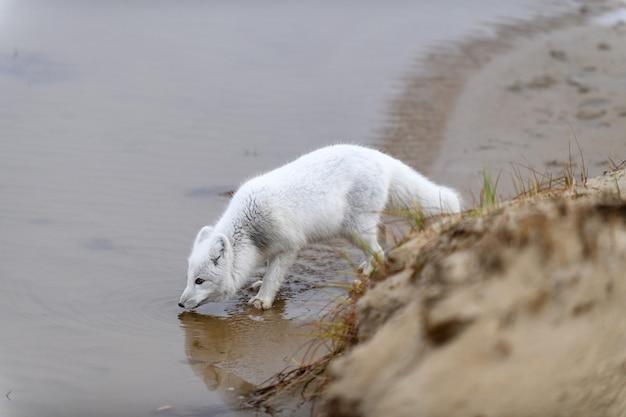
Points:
(411, 190)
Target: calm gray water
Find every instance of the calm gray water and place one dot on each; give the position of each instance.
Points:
(121, 123)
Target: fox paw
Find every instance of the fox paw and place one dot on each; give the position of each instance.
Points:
(260, 303)
(366, 269)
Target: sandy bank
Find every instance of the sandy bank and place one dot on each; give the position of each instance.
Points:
(519, 312)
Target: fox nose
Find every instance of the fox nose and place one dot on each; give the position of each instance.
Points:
(181, 305)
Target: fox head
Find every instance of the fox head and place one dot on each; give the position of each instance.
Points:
(209, 269)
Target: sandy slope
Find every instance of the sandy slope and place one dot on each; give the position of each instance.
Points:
(517, 313)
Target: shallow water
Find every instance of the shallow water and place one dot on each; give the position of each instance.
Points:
(122, 125)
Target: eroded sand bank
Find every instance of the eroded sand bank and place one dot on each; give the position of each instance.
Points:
(518, 312)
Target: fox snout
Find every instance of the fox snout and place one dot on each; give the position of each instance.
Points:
(191, 299)
(187, 303)
(186, 300)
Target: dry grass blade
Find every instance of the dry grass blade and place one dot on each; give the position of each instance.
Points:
(614, 166)
(584, 174)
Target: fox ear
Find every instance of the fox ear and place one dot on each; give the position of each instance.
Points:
(220, 247)
(204, 233)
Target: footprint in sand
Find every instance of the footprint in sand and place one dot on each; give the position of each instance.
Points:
(592, 108)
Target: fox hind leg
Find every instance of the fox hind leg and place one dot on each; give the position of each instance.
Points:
(364, 234)
(375, 254)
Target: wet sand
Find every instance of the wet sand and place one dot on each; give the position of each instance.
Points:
(533, 107)
(519, 98)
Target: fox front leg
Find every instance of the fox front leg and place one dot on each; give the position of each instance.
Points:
(274, 276)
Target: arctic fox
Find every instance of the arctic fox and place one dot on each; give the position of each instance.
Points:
(335, 191)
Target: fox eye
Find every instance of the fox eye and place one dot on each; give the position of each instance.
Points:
(199, 281)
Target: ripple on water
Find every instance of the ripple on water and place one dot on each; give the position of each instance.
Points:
(33, 68)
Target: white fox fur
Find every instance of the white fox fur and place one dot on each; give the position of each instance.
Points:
(336, 191)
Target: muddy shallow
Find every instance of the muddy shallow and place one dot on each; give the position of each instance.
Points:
(121, 127)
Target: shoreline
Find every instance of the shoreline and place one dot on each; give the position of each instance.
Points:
(429, 120)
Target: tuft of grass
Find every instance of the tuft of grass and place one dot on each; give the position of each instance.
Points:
(414, 217)
(584, 173)
(488, 192)
(569, 171)
(535, 182)
(615, 166)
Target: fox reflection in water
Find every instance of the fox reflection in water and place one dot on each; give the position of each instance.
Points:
(233, 354)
